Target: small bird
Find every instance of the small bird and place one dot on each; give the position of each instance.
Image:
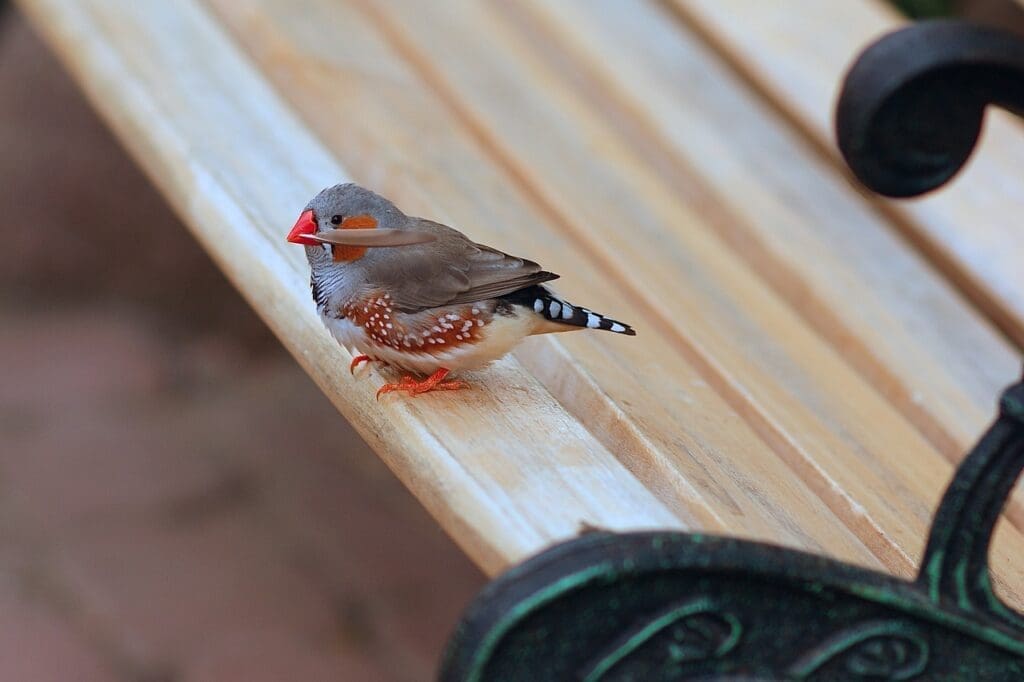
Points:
(420, 295)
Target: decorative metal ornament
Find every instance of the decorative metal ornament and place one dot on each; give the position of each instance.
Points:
(660, 606)
(912, 106)
(676, 606)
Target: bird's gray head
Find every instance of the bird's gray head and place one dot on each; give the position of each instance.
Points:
(343, 207)
(344, 204)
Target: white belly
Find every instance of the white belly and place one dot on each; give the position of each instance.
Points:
(499, 337)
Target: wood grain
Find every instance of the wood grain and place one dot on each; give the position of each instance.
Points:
(237, 166)
(818, 415)
(702, 460)
(795, 52)
(784, 210)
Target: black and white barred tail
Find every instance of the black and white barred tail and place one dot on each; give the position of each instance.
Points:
(552, 308)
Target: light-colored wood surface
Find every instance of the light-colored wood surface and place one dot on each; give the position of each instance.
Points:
(802, 374)
(798, 224)
(795, 53)
(190, 109)
(671, 458)
(458, 48)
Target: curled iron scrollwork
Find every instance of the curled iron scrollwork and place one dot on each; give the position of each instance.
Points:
(912, 106)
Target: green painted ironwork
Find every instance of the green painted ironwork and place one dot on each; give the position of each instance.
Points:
(671, 606)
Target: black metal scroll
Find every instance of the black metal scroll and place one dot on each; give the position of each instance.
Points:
(676, 606)
(912, 106)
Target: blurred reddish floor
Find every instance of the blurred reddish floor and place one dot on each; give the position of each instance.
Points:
(178, 502)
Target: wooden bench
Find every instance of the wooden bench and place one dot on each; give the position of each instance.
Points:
(811, 362)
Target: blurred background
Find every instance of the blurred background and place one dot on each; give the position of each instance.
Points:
(178, 502)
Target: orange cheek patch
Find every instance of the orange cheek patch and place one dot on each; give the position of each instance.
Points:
(350, 253)
(361, 222)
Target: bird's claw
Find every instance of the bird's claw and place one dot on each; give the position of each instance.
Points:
(435, 382)
(356, 361)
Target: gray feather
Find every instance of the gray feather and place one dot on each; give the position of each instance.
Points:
(451, 270)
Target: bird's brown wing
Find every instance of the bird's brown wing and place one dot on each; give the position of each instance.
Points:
(453, 270)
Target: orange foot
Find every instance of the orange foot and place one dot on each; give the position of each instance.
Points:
(356, 361)
(435, 382)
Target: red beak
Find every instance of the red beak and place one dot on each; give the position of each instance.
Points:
(306, 224)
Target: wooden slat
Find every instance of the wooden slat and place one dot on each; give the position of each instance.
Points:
(796, 51)
(702, 461)
(784, 210)
(818, 415)
(237, 166)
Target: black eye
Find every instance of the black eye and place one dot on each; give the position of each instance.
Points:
(335, 220)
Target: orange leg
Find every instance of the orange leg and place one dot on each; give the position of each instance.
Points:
(435, 382)
(356, 361)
